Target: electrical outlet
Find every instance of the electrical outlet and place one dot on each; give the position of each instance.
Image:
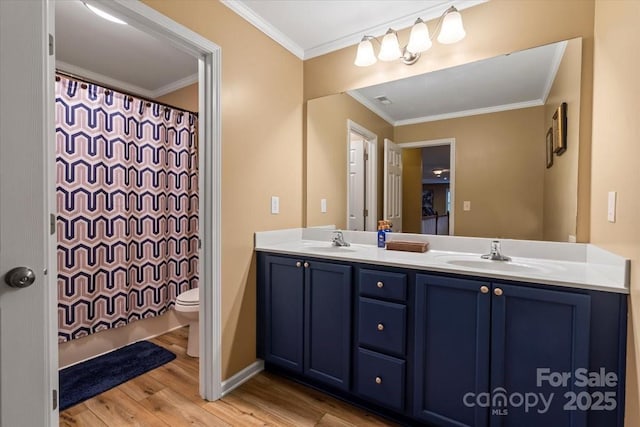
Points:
(275, 204)
(466, 205)
(323, 205)
(611, 207)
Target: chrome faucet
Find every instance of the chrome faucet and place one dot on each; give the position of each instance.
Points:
(495, 254)
(338, 239)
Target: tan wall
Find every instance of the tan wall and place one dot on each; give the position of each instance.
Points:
(616, 153)
(326, 155)
(561, 180)
(262, 155)
(493, 28)
(499, 168)
(186, 98)
(412, 190)
(74, 351)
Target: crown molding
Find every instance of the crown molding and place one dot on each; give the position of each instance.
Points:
(101, 78)
(466, 113)
(371, 106)
(124, 86)
(555, 66)
(432, 12)
(257, 21)
(178, 84)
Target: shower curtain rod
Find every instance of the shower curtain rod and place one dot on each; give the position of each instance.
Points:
(114, 89)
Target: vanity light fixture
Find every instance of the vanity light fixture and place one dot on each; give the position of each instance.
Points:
(104, 15)
(451, 31)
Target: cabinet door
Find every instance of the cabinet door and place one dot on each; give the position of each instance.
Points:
(537, 329)
(451, 350)
(283, 312)
(327, 340)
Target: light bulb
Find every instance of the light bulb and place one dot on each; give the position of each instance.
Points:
(419, 40)
(389, 49)
(452, 30)
(365, 55)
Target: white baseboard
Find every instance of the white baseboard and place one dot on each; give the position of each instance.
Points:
(242, 376)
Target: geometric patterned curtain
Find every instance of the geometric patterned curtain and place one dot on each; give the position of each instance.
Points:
(127, 200)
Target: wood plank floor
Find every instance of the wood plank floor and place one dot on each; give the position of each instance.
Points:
(168, 396)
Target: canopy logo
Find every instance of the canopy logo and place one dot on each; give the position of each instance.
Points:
(577, 398)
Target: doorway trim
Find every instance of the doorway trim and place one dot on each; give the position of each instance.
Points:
(451, 142)
(209, 57)
(371, 173)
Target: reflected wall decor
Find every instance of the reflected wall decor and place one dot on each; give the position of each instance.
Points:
(549, 147)
(560, 129)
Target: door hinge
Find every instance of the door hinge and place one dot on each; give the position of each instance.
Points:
(52, 224)
(365, 213)
(51, 44)
(366, 156)
(55, 399)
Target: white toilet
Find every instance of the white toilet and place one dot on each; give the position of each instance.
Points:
(187, 307)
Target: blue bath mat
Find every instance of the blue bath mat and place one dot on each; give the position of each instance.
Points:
(94, 376)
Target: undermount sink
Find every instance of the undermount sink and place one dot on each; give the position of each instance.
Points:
(497, 265)
(330, 248)
(472, 261)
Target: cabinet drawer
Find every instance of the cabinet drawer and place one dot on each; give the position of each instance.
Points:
(383, 284)
(381, 378)
(382, 326)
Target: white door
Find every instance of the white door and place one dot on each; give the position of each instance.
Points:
(356, 190)
(392, 196)
(27, 353)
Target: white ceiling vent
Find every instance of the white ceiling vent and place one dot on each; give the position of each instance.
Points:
(383, 100)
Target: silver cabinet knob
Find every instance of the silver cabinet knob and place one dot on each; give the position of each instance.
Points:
(380, 285)
(497, 291)
(378, 380)
(380, 327)
(306, 265)
(20, 277)
(484, 289)
(298, 264)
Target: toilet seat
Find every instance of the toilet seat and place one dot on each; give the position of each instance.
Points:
(188, 301)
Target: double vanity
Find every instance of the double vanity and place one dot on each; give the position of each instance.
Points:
(445, 337)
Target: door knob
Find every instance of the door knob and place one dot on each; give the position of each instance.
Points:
(20, 277)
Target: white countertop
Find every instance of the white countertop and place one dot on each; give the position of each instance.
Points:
(574, 265)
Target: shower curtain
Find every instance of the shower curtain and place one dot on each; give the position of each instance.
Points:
(127, 199)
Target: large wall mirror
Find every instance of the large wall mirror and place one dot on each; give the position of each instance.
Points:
(476, 155)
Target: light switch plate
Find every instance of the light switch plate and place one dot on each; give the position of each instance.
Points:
(466, 205)
(275, 204)
(611, 207)
(323, 205)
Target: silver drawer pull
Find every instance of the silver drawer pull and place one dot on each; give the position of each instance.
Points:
(380, 285)
(378, 380)
(380, 327)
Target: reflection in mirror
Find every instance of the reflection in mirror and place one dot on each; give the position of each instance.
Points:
(496, 111)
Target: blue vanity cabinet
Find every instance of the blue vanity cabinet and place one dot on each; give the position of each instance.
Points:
(283, 312)
(536, 334)
(452, 337)
(327, 320)
(306, 318)
(477, 340)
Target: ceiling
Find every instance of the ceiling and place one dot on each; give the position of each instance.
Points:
(518, 80)
(312, 28)
(123, 57)
(435, 157)
(118, 55)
